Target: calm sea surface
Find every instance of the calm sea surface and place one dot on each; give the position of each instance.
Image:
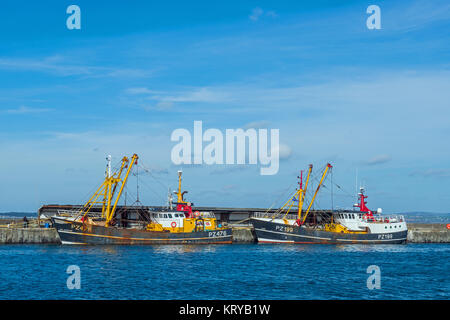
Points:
(412, 271)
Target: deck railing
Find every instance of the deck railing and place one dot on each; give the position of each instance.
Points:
(74, 213)
(206, 214)
(272, 215)
(384, 219)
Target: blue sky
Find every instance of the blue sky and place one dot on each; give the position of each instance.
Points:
(376, 101)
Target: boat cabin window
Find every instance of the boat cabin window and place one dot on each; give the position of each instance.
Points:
(165, 215)
(170, 216)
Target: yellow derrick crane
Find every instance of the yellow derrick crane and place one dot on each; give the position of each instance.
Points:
(317, 191)
(300, 195)
(107, 190)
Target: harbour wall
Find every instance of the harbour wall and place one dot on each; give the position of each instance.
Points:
(28, 236)
(428, 233)
(417, 233)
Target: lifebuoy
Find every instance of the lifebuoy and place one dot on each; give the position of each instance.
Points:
(196, 214)
(173, 224)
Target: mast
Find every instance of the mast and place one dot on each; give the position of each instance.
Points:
(179, 194)
(169, 199)
(108, 166)
(108, 176)
(124, 181)
(302, 192)
(362, 202)
(105, 192)
(317, 190)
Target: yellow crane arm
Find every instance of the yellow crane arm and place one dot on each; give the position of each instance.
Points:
(124, 181)
(317, 190)
(124, 162)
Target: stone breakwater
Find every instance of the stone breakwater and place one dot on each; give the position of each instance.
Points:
(428, 233)
(28, 236)
(417, 233)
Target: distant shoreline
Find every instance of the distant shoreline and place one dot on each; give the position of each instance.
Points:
(9, 215)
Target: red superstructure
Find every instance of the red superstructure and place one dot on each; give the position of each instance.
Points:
(362, 203)
(185, 207)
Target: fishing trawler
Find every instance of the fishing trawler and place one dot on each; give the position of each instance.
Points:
(338, 227)
(171, 226)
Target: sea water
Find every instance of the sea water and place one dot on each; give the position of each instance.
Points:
(238, 271)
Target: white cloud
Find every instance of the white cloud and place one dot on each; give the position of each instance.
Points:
(27, 110)
(140, 90)
(60, 66)
(440, 173)
(257, 125)
(198, 95)
(257, 13)
(284, 151)
(378, 160)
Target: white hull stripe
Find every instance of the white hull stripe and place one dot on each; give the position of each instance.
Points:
(293, 234)
(372, 240)
(271, 240)
(69, 242)
(139, 239)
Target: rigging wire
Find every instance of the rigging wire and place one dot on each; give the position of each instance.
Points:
(153, 191)
(281, 194)
(147, 170)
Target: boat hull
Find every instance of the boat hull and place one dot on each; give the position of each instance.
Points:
(75, 232)
(272, 232)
